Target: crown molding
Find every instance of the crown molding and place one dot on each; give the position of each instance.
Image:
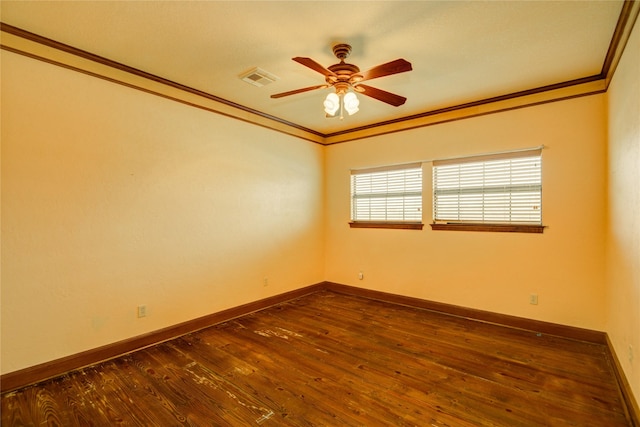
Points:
(37, 47)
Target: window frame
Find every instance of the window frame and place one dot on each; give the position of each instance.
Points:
(392, 223)
(490, 226)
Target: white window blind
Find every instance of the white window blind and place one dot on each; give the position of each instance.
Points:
(387, 194)
(503, 188)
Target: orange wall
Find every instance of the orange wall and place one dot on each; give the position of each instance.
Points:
(489, 271)
(112, 198)
(623, 219)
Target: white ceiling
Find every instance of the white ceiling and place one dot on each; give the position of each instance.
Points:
(461, 51)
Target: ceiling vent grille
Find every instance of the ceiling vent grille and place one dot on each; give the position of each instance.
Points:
(258, 77)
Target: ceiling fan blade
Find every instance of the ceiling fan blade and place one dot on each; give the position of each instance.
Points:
(381, 95)
(393, 67)
(308, 62)
(293, 92)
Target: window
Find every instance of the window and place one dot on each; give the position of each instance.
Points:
(387, 197)
(499, 192)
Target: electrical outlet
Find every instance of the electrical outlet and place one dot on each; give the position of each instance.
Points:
(360, 275)
(142, 311)
(265, 282)
(630, 353)
(533, 299)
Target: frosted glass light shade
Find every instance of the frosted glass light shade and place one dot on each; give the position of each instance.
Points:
(351, 103)
(331, 104)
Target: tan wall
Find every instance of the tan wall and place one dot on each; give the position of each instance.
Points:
(488, 271)
(113, 198)
(623, 219)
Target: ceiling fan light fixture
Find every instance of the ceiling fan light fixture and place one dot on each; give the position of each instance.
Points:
(331, 104)
(346, 78)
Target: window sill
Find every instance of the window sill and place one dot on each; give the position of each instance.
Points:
(393, 225)
(502, 228)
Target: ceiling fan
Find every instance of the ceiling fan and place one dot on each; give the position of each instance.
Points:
(343, 76)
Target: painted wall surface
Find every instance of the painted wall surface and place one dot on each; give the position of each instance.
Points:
(623, 219)
(114, 198)
(489, 271)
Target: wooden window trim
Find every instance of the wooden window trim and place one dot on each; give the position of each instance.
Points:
(383, 224)
(501, 228)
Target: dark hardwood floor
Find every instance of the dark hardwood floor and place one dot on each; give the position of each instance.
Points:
(334, 360)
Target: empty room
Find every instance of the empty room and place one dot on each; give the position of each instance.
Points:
(312, 213)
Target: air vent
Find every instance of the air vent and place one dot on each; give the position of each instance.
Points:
(258, 77)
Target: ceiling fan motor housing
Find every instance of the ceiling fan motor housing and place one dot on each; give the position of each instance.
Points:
(345, 74)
